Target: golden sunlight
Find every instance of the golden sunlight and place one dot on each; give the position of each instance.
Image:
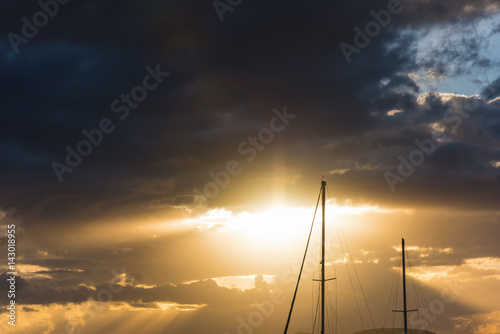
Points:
(272, 225)
(278, 224)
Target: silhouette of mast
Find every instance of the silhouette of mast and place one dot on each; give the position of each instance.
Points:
(322, 281)
(405, 310)
(323, 185)
(323, 271)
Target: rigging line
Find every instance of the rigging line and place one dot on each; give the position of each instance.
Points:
(331, 235)
(331, 238)
(423, 309)
(317, 311)
(414, 283)
(359, 282)
(409, 277)
(317, 318)
(302, 266)
(336, 298)
(312, 303)
(432, 327)
(330, 302)
(327, 318)
(394, 282)
(421, 300)
(313, 290)
(395, 305)
(334, 312)
(411, 280)
(339, 324)
(431, 322)
(336, 305)
(350, 280)
(357, 276)
(316, 273)
(419, 286)
(330, 318)
(318, 305)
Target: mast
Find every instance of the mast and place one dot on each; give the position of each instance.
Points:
(405, 311)
(323, 185)
(323, 279)
(322, 191)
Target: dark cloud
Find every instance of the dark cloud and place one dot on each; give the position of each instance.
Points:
(492, 90)
(226, 77)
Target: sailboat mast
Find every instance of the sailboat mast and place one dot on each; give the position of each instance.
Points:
(405, 311)
(323, 185)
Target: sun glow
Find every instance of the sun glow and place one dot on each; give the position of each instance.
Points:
(275, 224)
(278, 224)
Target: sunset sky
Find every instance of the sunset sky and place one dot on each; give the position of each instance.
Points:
(161, 161)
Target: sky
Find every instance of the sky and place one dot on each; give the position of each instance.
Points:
(161, 162)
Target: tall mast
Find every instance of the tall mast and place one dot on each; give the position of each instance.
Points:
(323, 185)
(405, 311)
(323, 279)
